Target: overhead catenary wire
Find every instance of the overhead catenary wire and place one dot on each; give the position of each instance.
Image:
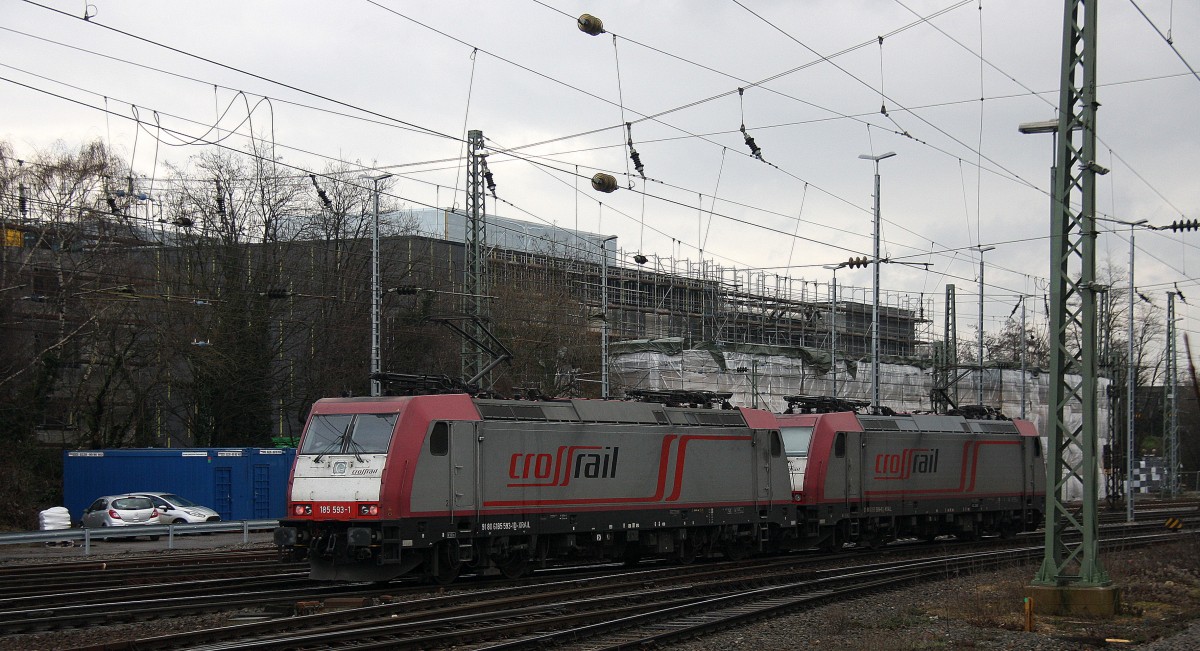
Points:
(643, 197)
(1167, 38)
(720, 172)
(805, 181)
(632, 153)
(240, 71)
(466, 117)
(906, 26)
(712, 212)
(979, 146)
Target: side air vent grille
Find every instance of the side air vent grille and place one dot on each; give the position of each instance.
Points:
(997, 428)
(511, 412)
(721, 418)
(879, 424)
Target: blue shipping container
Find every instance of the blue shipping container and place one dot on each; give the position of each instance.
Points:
(238, 483)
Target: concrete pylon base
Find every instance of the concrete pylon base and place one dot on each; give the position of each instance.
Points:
(1102, 601)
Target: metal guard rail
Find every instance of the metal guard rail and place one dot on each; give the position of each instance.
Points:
(87, 535)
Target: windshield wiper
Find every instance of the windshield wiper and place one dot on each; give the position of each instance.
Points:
(339, 443)
(357, 448)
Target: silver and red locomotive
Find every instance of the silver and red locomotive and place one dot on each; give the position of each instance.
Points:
(437, 484)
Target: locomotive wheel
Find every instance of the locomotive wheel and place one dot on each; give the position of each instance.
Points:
(515, 565)
(633, 556)
(686, 551)
(833, 544)
(735, 550)
(445, 564)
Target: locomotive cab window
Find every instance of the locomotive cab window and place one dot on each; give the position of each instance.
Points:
(776, 444)
(348, 434)
(439, 440)
(839, 445)
(796, 440)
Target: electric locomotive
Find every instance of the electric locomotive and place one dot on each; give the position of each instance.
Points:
(435, 484)
(870, 479)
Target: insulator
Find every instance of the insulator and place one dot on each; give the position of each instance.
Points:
(590, 25)
(22, 200)
(637, 162)
(755, 150)
(602, 182)
(321, 193)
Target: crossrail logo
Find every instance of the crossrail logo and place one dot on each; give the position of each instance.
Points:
(569, 462)
(906, 463)
(587, 462)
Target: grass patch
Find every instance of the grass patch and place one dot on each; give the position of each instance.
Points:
(1160, 594)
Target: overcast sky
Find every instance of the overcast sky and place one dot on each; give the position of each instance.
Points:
(395, 84)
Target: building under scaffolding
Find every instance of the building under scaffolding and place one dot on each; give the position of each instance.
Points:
(697, 301)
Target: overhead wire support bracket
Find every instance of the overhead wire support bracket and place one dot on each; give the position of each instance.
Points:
(755, 150)
(486, 342)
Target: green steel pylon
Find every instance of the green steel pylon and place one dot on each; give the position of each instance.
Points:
(1073, 312)
(475, 254)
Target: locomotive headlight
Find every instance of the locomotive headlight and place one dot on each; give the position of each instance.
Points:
(368, 509)
(302, 509)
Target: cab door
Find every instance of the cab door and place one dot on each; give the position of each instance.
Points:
(464, 467)
(847, 452)
(768, 447)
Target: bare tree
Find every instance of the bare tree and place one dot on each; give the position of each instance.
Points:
(543, 326)
(232, 261)
(1004, 348)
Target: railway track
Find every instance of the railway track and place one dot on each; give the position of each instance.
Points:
(733, 610)
(80, 594)
(45, 585)
(670, 601)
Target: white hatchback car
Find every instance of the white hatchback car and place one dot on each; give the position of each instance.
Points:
(174, 509)
(121, 511)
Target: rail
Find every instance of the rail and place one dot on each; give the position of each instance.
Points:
(87, 535)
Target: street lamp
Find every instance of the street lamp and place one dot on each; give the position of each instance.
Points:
(833, 323)
(982, 250)
(1040, 126)
(375, 297)
(604, 319)
(1130, 382)
(1024, 353)
(875, 287)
